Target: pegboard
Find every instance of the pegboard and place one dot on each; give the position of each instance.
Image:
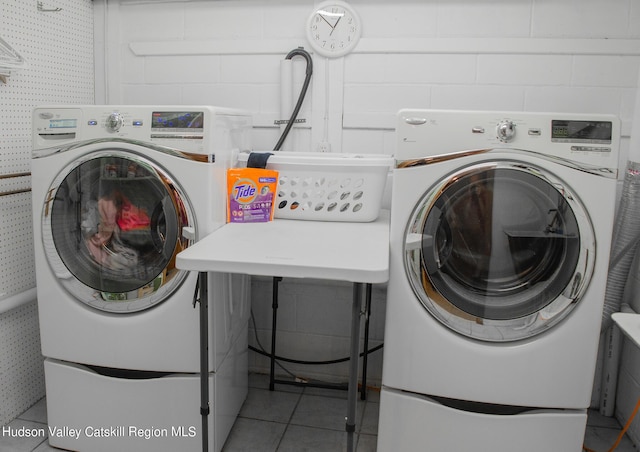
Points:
(16, 248)
(58, 49)
(57, 45)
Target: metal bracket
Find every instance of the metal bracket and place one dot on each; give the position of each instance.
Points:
(42, 9)
(278, 122)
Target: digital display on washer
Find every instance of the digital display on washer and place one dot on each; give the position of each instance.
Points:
(63, 123)
(565, 131)
(177, 120)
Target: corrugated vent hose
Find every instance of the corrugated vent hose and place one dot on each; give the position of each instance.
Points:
(626, 234)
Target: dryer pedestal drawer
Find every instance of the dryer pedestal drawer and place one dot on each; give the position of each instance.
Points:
(415, 422)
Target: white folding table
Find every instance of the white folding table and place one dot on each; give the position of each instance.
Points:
(352, 252)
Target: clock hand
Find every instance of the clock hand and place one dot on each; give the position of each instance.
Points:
(334, 27)
(328, 23)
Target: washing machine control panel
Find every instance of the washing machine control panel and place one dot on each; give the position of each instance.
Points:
(192, 129)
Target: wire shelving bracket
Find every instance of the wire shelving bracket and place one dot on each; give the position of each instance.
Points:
(9, 60)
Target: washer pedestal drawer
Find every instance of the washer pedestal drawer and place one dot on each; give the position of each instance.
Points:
(91, 412)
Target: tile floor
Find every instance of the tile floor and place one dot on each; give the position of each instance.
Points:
(300, 419)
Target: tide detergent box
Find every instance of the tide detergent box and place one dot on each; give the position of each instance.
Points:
(251, 194)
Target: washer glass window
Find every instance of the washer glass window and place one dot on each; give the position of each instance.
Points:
(501, 253)
(115, 222)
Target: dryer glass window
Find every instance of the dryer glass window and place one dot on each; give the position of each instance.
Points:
(116, 224)
(499, 251)
(500, 244)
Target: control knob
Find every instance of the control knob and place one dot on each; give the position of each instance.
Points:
(506, 130)
(114, 122)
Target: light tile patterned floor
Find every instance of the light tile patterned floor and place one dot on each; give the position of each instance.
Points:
(293, 419)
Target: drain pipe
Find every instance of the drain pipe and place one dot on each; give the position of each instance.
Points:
(308, 72)
(286, 97)
(613, 339)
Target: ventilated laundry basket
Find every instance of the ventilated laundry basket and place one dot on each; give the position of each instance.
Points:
(328, 187)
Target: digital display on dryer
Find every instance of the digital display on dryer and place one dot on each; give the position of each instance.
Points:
(565, 131)
(176, 120)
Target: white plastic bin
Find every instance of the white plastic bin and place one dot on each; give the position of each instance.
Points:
(328, 187)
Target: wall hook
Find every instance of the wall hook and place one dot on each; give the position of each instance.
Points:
(9, 60)
(42, 9)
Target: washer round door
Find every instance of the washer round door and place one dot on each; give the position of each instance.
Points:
(112, 226)
(499, 251)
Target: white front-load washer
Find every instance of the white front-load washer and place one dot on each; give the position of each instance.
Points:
(118, 191)
(500, 232)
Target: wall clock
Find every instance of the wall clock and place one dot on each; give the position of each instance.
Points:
(333, 29)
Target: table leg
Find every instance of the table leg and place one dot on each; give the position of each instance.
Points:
(204, 357)
(274, 312)
(365, 347)
(355, 352)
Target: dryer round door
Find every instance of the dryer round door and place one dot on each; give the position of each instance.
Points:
(112, 226)
(499, 251)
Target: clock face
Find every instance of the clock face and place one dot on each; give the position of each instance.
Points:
(333, 29)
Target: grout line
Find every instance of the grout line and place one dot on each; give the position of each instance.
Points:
(46, 440)
(293, 412)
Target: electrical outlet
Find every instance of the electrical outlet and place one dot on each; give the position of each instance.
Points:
(324, 146)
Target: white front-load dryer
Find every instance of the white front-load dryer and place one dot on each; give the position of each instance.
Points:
(500, 232)
(118, 192)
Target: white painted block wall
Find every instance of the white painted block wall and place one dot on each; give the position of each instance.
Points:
(529, 55)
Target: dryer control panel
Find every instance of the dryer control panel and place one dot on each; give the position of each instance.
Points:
(193, 129)
(591, 139)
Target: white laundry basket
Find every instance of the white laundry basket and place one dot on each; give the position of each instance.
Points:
(328, 187)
